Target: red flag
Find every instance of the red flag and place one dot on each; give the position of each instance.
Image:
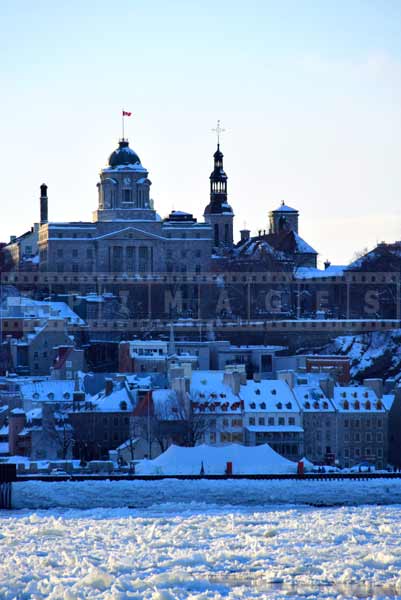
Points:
(126, 113)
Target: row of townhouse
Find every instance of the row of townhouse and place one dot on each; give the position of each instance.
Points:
(298, 415)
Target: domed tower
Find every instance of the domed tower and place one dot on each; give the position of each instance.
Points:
(124, 187)
(218, 212)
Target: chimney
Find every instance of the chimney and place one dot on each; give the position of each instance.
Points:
(43, 204)
(233, 380)
(12, 238)
(245, 235)
(288, 377)
(327, 387)
(327, 264)
(256, 377)
(108, 387)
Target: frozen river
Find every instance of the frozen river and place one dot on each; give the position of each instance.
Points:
(200, 550)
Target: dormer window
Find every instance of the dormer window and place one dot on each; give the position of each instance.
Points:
(274, 392)
(346, 405)
(263, 405)
(279, 405)
(307, 404)
(368, 405)
(325, 405)
(357, 405)
(252, 405)
(289, 405)
(257, 391)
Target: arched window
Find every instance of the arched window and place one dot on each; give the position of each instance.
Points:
(226, 232)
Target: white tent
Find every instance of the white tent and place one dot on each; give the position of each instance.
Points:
(246, 460)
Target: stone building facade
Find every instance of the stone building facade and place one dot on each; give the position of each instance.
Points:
(126, 234)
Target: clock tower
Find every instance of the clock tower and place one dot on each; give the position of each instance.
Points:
(124, 188)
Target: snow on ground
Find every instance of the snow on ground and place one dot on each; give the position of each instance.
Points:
(115, 494)
(174, 552)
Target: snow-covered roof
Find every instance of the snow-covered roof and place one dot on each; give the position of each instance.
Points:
(311, 272)
(268, 395)
(356, 400)
(312, 399)
(301, 246)
(210, 394)
(118, 401)
(22, 306)
(285, 208)
(50, 390)
(388, 400)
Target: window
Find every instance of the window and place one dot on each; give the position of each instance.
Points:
(59, 252)
(291, 421)
(271, 421)
(379, 436)
(127, 196)
(75, 267)
(281, 421)
(261, 420)
(75, 252)
(89, 253)
(251, 420)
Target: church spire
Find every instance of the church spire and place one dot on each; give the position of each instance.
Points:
(218, 212)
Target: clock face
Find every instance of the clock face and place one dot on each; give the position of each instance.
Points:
(127, 181)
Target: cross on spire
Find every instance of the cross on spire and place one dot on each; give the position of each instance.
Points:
(218, 131)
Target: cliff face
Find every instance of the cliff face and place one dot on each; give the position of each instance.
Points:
(372, 354)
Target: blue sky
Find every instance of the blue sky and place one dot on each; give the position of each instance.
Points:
(308, 91)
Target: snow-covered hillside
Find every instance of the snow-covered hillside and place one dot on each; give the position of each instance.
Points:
(373, 354)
